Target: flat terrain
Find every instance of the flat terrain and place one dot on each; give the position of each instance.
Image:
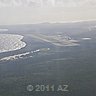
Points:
(55, 40)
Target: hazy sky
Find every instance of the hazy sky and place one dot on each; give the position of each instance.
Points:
(34, 11)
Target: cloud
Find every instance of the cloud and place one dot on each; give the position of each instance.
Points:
(48, 3)
(35, 11)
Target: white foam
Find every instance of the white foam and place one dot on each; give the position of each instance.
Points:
(20, 56)
(2, 30)
(86, 38)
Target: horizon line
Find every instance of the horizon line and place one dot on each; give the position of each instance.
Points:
(53, 22)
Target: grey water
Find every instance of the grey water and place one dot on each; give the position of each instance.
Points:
(74, 66)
